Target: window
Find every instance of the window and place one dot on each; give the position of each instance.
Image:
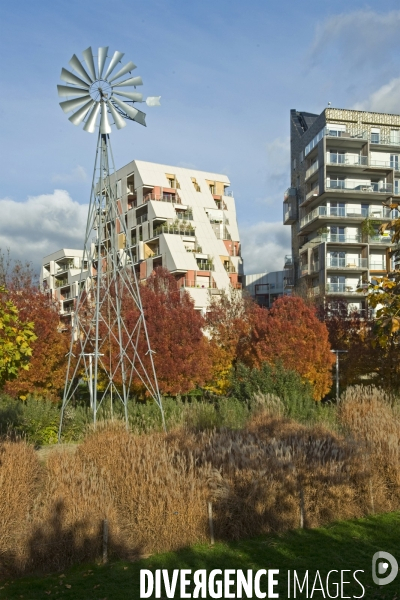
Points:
(212, 188)
(394, 161)
(335, 129)
(338, 209)
(337, 234)
(294, 164)
(397, 186)
(375, 135)
(337, 184)
(337, 283)
(337, 259)
(338, 157)
(395, 136)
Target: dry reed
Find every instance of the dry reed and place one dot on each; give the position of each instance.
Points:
(153, 489)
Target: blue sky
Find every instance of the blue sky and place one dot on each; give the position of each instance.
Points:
(228, 73)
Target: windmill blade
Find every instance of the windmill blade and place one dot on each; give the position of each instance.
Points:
(101, 59)
(126, 69)
(80, 114)
(69, 77)
(104, 122)
(153, 101)
(133, 113)
(114, 61)
(69, 105)
(88, 56)
(134, 96)
(65, 90)
(132, 81)
(90, 124)
(118, 119)
(76, 64)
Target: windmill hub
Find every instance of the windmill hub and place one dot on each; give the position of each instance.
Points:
(100, 89)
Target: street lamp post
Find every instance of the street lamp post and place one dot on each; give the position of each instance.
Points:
(337, 352)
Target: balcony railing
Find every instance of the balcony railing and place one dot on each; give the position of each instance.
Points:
(312, 169)
(341, 288)
(380, 239)
(347, 263)
(61, 283)
(176, 229)
(206, 266)
(346, 159)
(303, 270)
(377, 138)
(171, 198)
(387, 164)
(314, 266)
(313, 192)
(346, 212)
(345, 184)
(377, 266)
(341, 238)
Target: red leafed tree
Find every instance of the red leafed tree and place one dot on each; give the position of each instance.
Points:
(46, 374)
(290, 333)
(175, 329)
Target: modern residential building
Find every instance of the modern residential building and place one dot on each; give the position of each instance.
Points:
(265, 288)
(178, 218)
(344, 168)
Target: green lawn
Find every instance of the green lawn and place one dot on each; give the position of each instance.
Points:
(342, 545)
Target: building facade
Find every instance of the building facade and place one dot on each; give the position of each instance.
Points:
(345, 165)
(178, 218)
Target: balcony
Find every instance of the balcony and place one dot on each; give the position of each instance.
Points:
(347, 263)
(205, 266)
(289, 216)
(175, 228)
(341, 238)
(377, 266)
(385, 164)
(347, 213)
(314, 268)
(313, 192)
(312, 169)
(341, 288)
(346, 160)
(353, 186)
(377, 138)
(163, 197)
(61, 282)
(380, 239)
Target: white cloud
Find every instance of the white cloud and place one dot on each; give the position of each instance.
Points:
(77, 175)
(277, 170)
(385, 99)
(264, 246)
(41, 225)
(360, 38)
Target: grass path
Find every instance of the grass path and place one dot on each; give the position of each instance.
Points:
(342, 545)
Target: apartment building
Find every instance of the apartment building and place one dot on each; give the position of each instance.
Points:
(344, 169)
(178, 218)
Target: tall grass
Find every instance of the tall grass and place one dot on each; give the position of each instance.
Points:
(268, 475)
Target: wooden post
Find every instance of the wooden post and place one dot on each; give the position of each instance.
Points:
(301, 507)
(210, 523)
(105, 541)
(372, 497)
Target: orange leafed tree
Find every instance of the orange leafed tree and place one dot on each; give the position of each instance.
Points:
(46, 374)
(290, 333)
(175, 329)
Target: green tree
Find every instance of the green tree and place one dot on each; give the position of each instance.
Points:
(16, 339)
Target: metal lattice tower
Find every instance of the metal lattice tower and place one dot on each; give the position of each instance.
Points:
(110, 346)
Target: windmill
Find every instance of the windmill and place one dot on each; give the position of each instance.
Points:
(108, 350)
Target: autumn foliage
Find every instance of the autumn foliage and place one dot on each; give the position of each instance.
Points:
(289, 334)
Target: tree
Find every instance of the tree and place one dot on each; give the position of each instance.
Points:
(50, 345)
(229, 324)
(175, 329)
(291, 334)
(16, 339)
